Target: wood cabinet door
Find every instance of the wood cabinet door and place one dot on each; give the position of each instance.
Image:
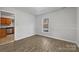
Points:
(5, 21)
(3, 33)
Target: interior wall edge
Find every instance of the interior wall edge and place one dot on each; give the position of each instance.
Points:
(78, 26)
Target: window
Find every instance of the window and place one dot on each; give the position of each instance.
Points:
(45, 24)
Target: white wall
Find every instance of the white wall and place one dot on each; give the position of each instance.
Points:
(78, 26)
(24, 23)
(62, 24)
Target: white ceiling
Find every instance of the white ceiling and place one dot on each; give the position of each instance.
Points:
(38, 10)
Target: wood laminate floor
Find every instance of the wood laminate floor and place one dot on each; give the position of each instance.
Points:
(39, 43)
(7, 39)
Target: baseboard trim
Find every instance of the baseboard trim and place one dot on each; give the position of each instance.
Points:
(59, 38)
(24, 37)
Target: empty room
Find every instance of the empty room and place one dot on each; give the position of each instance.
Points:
(39, 29)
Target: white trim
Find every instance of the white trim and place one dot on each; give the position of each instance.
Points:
(16, 39)
(3, 10)
(58, 38)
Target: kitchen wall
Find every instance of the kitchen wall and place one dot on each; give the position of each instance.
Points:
(62, 24)
(24, 23)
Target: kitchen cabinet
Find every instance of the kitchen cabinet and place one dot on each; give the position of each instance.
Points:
(6, 24)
